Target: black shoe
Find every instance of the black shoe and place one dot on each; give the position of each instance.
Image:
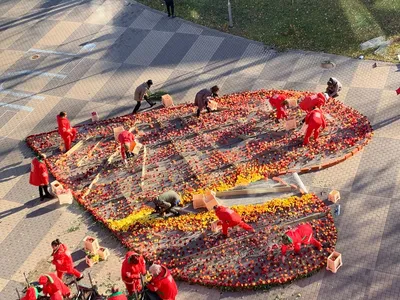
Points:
(173, 17)
(169, 15)
(48, 196)
(41, 198)
(152, 104)
(80, 278)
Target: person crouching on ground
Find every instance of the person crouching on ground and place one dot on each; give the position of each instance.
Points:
(230, 218)
(39, 176)
(133, 267)
(62, 260)
(334, 87)
(116, 294)
(278, 101)
(203, 97)
(294, 238)
(126, 139)
(162, 282)
(54, 287)
(67, 133)
(311, 101)
(167, 203)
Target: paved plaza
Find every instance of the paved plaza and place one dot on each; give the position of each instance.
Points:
(81, 56)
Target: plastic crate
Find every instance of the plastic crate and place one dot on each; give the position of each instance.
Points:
(65, 198)
(103, 253)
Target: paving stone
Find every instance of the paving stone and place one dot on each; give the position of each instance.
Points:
(384, 286)
(8, 292)
(126, 16)
(300, 86)
(174, 51)
(343, 71)
(168, 24)
(226, 57)
(280, 66)
(364, 100)
(147, 20)
(236, 84)
(381, 180)
(81, 11)
(23, 239)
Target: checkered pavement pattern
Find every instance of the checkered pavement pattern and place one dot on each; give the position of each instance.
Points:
(89, 55)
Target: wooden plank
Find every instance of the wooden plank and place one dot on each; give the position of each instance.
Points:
(92, 183)
(254, 191)
(143, 166)
(89, 154)
(74, 148)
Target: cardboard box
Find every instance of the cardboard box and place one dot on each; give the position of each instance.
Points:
(334, 262)
(213, 105)
(290, 124)
(198, 201)
(65, 198)
(334, 196)
(91, 244)
(117, 131)
(167, 100)
(56, 186)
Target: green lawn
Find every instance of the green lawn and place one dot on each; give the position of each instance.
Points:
(333, 26)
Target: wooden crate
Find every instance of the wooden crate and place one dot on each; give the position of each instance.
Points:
(215, 227)
(210, 200)
(103, 253)
(167, 100)
(90, 262)
(334, 196)
(137, 148)
(213, 105)
(65, 198)
(292, 102)
(91, 244)
(117, 131)
(334, 262)
(198, 201)
(290, 124)
(56, 186)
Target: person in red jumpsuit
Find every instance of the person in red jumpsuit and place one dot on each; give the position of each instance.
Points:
(63, 261)
(125, 139)
(162, 282)
(67, 133)
(116, 294)
(31, 294)
(279, 102)
(315, 120)
(39, 176)
(132, 267)
(311, 101)
(229, 218)
(294, 238)
(54, 287)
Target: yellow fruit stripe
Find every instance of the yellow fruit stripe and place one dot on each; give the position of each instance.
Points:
(200, 221)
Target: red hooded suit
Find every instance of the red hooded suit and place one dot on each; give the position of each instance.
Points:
(164, 285)
(117, 296)
(63, 261)
(302, 235)
(54, 287)
(230, 218)
(125, 137)
(309, 102)
(277, 102)
(314, 119)
(67, 133)
(31, 294)
(38, 175)
(130, 273)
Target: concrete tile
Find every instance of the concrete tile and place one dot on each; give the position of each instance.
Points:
(344, 70)
(93, 80)
(367, 77)
(11, 213)
(21, 8)
(200, 53)
(227, 55)
(300, 86)
(236, 84)
(104, 13)
(253, 60)
(268, 84)
(126, 16)
(149, 48)
(384, 286)
(365, 100)
(6, 6)
(308, 68)
(386, 121)
(280, 66)
(178, 84)
(9, 292)
(12, 33)
(58, 34)
(3, 283)
(168, 24)
(174, 51)
(194, 292)
(393, 78)
(81, 11)
(147, 20)
(189, 28)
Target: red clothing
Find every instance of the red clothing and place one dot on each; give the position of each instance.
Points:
(54, 287)
(67, 132)
(31, 294)
(125, 137)
(277, 102)
(39, 175)
(63, 261)
(309, 102)
(315, 120)
(130, 273)
(230, 218)
(164, 285)
(118, 296)
(302, 235)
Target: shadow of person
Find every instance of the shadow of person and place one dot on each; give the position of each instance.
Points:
(13, 171)
(26, 205)
(78, 255)
(43, 210)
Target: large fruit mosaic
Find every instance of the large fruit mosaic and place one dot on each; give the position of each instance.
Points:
(238, 144)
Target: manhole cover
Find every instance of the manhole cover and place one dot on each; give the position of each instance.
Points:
(35, 57)
(328, 64)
